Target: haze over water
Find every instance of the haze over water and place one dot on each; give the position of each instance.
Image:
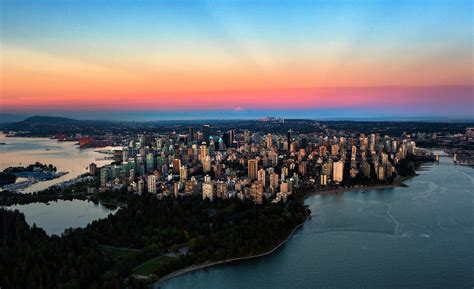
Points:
(419, 236)
(65, 156)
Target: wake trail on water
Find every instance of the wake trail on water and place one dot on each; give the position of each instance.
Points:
(397, 224)
(403, 235)
(468, 176)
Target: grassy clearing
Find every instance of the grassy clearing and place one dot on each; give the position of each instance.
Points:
(150, 266)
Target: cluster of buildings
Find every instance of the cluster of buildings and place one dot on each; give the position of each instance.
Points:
(250, 165)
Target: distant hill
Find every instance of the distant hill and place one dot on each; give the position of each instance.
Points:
(48, 126)
(48, 120)
(44, 126)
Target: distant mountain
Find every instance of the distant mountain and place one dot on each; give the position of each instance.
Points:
(48, 120)
(44, 126)
(8, 118)
(48, 126)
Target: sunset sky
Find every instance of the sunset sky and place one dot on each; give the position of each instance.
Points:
(380, 58)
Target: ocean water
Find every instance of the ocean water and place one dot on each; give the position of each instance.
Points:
(66, 156)
(421, 236)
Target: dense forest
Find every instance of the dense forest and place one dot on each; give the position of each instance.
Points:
(31, 259)
(223, 229)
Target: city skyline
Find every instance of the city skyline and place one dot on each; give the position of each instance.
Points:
(371, 59)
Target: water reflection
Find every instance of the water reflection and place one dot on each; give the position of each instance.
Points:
(65, 156)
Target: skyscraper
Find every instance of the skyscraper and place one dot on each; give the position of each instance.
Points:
(269, 141)
(203, 152)
(176, 166)
(222, 190)
(208, 190)
(150, 162)
(104, 177)
(183, 173)
(191, 134)
(206, 132)
(92, 169)
(338, 171)
(252, 169)
(261, 176)
(288, 138)
(125, 155)
(151, 182)
(229, 138)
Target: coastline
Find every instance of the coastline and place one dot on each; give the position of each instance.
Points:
(210, 264)
(342, 190)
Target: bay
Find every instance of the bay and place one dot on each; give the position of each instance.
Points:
(65, 156)
(420, 236)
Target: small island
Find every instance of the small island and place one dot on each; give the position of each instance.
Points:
(31, 174)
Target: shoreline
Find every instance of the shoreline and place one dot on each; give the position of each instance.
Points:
(279, 245)
(205, 265)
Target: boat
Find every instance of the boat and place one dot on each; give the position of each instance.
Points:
(2, 143)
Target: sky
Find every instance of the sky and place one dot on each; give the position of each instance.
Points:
(232, 59)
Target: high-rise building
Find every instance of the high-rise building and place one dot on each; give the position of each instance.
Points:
(246, 136)
(338, 171)
(203, 151)
(289, 138)
(208, 190)
(222, 190)
(366, 169)
(104, 177)
(274, 180)
(191, 134)
(92, 169)
(302, 168)
(229, 137)
(412, 148)
(381, 172)
(176, 166)
(206, 132)
(324, 180)
(252, 169)
(183, 173)
(334, 149)
(269, 141)
(353, 152)
(150, 162)
(125, 155)
(256, 191)
(261, 176)
(151, 182)
(140, 186)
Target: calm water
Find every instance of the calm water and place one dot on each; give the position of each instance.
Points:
(60, 215)
(416, 237)
(66, 156)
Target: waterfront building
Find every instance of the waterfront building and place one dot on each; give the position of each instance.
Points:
(338, 171)
(104, 177)
(92, 169)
